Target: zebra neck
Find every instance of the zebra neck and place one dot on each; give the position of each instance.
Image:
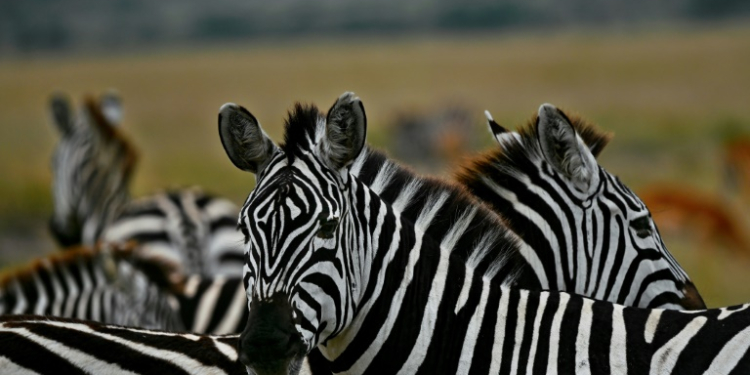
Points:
(411, 274)
(101, 214)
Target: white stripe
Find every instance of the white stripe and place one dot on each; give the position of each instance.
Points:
(206, 305)
(535, 335)
(618, 360)
(520, 327)
(730, 354)
(229, 351)
(14, 369)
(473, 331)
(56, 288)
(665, 358)
(406, 195)
(651, 324)
(42, 300)
(500, 324)
(725, 313)
(21, 303)
(554, 339)
(231, 320)
(582, 339)
(127, 228)
(85, 291)
(384, 177)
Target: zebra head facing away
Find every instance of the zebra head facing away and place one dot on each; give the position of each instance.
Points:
(590, 234)
(92, 165)
(298, 225)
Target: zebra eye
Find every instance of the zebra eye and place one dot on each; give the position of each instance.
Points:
(642, 226)
(327, 227)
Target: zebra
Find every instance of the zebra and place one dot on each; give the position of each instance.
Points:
(92, 166)
(581, 229)
(330, 265)
(47, 345)
(109, 284)
(118, 285)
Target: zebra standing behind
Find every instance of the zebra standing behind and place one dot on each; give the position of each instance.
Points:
(92, 166)
(581, 229)
(109, 285)
(329, 264)
(118, 285)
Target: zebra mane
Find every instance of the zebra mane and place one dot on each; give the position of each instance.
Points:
(484, 242)
(111, 134)
(102, 258)
(517, 153)
(300, 129)
(485, 245)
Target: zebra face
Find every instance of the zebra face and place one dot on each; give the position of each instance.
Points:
(91, 168)
(590, 233)
(295, 223)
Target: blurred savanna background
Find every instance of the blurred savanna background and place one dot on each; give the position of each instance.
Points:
(670, 79)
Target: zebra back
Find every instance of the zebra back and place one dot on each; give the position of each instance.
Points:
(110, 285)
(45, 345)
(582, 230)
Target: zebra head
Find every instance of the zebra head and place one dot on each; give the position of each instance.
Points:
(91, 165)
(298, 227)
(590, 234)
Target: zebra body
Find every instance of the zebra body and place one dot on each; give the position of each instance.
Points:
(92, 167)
(43, 345)
(581, 229)
(117, 286)
(331, 265)
(109, 286)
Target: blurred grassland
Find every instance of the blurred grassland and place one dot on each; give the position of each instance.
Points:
(671, 97)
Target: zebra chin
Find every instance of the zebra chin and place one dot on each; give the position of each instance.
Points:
(270, 343)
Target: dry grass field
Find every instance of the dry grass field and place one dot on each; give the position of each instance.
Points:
(671, 98)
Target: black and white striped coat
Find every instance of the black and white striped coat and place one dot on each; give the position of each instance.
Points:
(47, 346)
(116, 285)
(92, 166)
(581, 229)
(332, 265)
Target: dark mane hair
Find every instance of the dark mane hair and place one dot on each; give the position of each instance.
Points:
(502, 247)
(111, 134)
(299, 129)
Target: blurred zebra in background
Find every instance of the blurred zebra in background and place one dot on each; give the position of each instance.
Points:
(92, 167)
(119, 285)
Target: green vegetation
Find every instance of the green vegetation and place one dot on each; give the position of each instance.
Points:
(670, 97)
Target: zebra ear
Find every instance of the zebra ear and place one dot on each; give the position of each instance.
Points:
(246, 144)
(111, 107)
(564, 149)
(346, 130)
(61, 113)
(501, 135)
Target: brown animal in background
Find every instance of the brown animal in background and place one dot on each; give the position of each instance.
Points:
(737, 164)
(684, 208)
